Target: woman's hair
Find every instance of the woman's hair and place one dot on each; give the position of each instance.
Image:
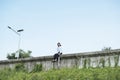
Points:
(58, 44)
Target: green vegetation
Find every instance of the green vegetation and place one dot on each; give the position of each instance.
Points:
(107, 49)
(22, 54)
(106, 73)
(37, 68)
(20, 67)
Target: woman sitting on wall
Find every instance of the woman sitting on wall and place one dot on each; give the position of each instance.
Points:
(56, 56)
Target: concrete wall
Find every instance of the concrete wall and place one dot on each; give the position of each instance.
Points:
(80, 60)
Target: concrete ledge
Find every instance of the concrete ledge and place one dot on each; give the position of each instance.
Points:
(64, 56)
(92, 54)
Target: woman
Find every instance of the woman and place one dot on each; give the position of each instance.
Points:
(59, 52)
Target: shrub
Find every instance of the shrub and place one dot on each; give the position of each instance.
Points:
(37, 68)
(20, 67)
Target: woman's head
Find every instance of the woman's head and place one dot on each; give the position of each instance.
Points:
(58, 44)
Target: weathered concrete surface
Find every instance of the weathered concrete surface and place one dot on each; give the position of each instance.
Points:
(80, 60)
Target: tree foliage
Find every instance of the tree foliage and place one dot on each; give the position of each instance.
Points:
(22, 54)
(106, 49)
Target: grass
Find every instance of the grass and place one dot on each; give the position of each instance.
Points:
(106, 73)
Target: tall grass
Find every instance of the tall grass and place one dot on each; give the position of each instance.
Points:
(63, 74)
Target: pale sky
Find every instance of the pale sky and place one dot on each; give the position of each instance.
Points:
(79, 25)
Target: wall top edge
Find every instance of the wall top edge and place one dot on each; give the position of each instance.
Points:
(44, 58)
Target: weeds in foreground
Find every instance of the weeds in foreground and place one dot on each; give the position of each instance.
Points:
(63, 74)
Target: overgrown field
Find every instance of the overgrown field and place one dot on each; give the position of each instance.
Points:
(63, 74)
